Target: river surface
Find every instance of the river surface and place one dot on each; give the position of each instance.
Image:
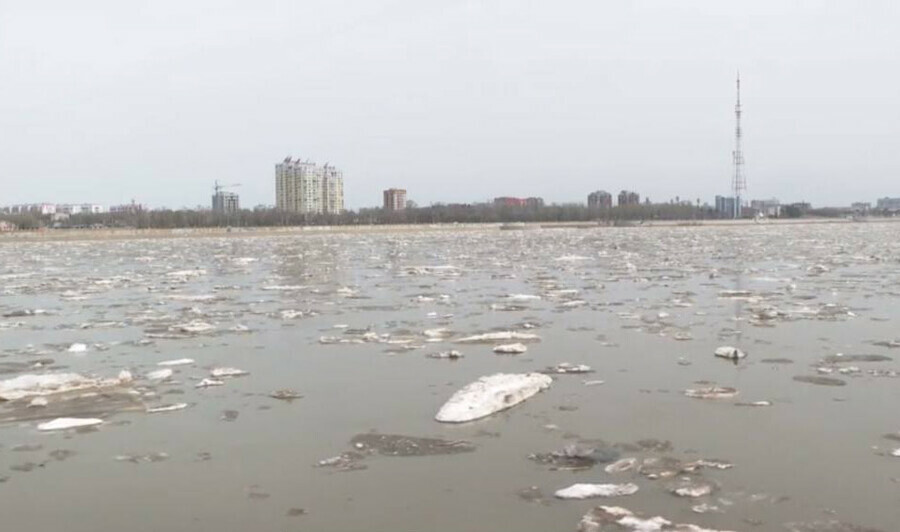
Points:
(341, 321)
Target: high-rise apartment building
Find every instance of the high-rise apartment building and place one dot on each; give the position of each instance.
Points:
(307, 188)
(225, 202)
(629, 198)
(600, 200)
(394, 199)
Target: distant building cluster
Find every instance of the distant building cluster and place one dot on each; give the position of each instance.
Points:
(49, 209)
(307, 188)
(394, 199)
(508, 201)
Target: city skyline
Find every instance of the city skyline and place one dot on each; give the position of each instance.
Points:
(489, 98)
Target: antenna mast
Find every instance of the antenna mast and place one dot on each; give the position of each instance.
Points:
(738, 180)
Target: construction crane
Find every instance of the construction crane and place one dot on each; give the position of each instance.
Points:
(218, 188)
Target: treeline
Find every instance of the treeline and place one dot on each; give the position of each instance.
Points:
(435, 214)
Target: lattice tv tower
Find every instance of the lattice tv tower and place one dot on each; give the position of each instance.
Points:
(738, 180)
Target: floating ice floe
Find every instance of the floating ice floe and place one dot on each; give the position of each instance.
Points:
(63, 423)
(193, 327)
(206, 383)
(51, 383)
(160, 374)
(167, 408)
(620, 466)
(564, 368)
(186, 273)
(589, 491)
(450, 355)
(219, 373)
(176, 362)
(285, 395)
(510, 349)
(731, 353)
(603, 518)
(499, 337)
(896, 452)
(77, 348)
(491, 394)
(712, 392)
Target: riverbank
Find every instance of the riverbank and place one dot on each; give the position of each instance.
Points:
(49, 235)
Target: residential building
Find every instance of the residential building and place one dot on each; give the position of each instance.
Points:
(128, 208)
(6, 227)
(599, 200)
(307, 188)
(394, 199)
(861, 207)
(506, 201)
(225, 202)
(534, 202)
(769, 207)
(725, 206)
(888, 204)
(629, 198)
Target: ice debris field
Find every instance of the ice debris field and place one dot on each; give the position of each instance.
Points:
(671, 379)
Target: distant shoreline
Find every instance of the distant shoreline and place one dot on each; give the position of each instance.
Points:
(53, 235)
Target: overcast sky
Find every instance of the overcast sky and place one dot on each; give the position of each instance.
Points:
(456, 101)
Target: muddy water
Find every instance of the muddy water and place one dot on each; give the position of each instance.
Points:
(340, 320)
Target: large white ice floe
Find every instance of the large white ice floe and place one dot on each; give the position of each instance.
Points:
(63, 423)
(35, 385)
(589, 491)
(491, 394)
(500, 336)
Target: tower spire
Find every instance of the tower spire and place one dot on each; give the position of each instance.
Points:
(738, 180)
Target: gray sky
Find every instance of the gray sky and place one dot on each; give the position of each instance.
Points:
(105, 101)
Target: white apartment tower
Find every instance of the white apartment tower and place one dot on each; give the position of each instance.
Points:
(307, 188)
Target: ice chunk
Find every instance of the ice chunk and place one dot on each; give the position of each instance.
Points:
(713, 392)
(167, 408)
(500, 336)
(34, 385)
(176, 362)
(160, 374)
(206, 383)
(77, 348)
(588, 491)
(491, 394)
(510, 349)
(731, 353)
(566, 367)
(219, 373)
(604, 518)
(620, 466)
(63, 423)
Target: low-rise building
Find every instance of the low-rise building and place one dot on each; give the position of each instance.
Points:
(769, 207)
(888, 204)
(507, 201)
(534, 202)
